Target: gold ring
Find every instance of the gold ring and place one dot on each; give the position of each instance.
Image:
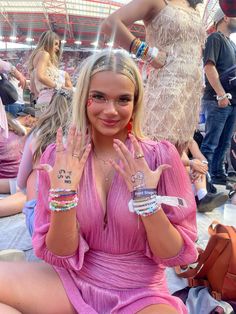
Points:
(60, 150)
(75, 155)
(138, 155)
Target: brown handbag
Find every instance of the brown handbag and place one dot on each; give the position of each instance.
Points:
(216, 265)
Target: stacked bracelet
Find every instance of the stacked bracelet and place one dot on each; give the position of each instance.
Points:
(144, 206)
(142, 51)
(62, 199)
(146, 202)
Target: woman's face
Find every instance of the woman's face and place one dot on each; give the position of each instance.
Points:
(110, 103)
(56, 45)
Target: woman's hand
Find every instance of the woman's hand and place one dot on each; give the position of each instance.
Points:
(69, 165)
(135, 170)
(160, 60)
(199, 166)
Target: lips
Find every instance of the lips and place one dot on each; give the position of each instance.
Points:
(109, 122)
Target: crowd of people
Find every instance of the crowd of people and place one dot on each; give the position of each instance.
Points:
(109, 173)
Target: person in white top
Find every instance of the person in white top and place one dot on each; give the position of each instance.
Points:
(44, 70)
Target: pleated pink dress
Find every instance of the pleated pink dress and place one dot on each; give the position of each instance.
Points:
(113, 270)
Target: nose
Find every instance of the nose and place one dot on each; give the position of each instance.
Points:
(110, 107)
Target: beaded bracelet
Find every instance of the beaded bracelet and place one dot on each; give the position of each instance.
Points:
(153, 204)
(61, 190)
(141, 50)
(143, 193)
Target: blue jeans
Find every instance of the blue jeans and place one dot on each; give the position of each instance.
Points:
(219, 129)
(15, 108)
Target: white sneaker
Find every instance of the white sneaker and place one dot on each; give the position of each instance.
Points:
(12, 255)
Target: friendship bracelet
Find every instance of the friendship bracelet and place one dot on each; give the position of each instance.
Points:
(131, 44)
(157, 201)
(61, 190)
(143, 192)
(59, 209)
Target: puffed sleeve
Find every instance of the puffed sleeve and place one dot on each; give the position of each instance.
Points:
(42, 223)
(175, 182)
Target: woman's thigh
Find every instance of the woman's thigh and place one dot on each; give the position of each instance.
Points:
(158, 309)
(33, 288)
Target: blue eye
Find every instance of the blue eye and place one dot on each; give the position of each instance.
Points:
(124, 101)
(98, 98)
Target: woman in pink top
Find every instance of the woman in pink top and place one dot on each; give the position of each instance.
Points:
(104, 233)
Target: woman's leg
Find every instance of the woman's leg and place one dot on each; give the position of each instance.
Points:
(8, 309)
(33, 288)
(158, 309)
(12, 204)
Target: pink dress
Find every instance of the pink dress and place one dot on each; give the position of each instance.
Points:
(113, 270)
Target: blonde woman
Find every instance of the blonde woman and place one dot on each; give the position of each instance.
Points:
(102, 254)
(45, 76)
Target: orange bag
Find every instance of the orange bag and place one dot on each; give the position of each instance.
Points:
(216, 265)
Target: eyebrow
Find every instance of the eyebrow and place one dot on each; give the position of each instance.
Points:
(103, 94)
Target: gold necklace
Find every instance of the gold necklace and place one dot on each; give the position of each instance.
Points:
(105, 162)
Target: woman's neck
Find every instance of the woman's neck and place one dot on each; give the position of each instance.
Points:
(103, 145)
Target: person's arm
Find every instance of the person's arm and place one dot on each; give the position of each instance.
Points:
(172, 230)
(195, 151)
(43, 60)
(116, 25)
(68, 82)
(213, 78)
(6, 67)
(42, 223)
(26, 164)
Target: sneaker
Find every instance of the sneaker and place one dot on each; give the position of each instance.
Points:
(231, 176)
(12, 255)
(211, 201)
(221, 180)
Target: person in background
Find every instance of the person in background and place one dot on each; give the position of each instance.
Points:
(175, 37)
(113, 210)
(219, 104)
(197, 166)
(45, 76)
(19, 105)
(8, 68)
(10, 156)
(56, 115)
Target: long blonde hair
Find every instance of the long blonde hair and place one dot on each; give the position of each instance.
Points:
(108, 60)
(46, 43)
(57, 114)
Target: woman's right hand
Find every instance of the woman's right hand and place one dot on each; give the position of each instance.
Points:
(69, 165)
(160, 60)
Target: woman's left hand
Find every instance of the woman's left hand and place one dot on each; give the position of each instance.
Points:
(135, 170)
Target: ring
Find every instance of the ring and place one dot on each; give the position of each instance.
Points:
(138, 155)
(60, 150)
(75, 155)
